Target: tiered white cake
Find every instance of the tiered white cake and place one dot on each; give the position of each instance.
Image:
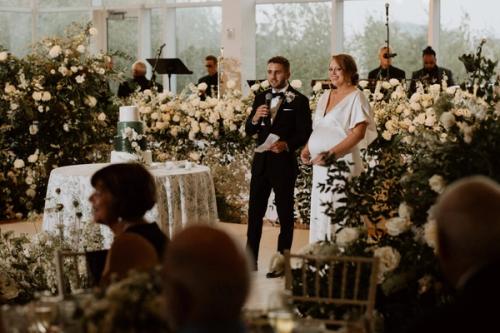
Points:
(130, 142)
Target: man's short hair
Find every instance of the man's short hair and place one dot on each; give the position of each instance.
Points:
(428, 51)
(383, 48)
(280, 60)
(139, 63)
(211, 58)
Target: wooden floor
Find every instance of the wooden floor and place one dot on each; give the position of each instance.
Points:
(262, 287)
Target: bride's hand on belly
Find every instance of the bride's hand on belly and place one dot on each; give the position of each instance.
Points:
(305, 156)
(321, 158)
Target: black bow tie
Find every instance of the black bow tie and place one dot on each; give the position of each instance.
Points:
(278, 94)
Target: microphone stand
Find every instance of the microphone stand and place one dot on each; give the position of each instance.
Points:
(219, 71)
(388, 53)
(153, 75)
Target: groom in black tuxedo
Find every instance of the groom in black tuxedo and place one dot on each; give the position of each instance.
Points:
(283, 111)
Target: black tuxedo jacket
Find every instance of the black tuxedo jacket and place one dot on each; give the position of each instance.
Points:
(387, 74)
(293, 124)
(211, 81)
(433, 77)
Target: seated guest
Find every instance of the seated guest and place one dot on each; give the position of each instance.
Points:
(385, 71)
(210, 79)
(123, 194)
(468, 235)
(138, 81)
(206, 281)
(431, 73)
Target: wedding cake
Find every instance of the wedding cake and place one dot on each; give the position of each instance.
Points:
(130, 142)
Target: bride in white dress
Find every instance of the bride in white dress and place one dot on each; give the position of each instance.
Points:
(343, 124)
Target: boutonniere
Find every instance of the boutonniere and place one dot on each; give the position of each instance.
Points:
(289, 96)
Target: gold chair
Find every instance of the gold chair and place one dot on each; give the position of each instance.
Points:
(72, 271)
(330, 288)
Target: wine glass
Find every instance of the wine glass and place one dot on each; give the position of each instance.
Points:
(280, 314)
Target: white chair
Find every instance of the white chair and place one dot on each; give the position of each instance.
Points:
(331, 287)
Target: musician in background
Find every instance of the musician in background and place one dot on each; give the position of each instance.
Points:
(431, 73)
(211, 78)
(385, 71)
(138, 82)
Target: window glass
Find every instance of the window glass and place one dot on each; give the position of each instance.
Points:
(299, 32)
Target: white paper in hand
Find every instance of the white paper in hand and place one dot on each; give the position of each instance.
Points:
(266, 145)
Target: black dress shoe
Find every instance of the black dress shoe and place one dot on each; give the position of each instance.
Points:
(274, 274)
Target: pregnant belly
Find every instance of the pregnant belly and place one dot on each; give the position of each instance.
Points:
(323, 138)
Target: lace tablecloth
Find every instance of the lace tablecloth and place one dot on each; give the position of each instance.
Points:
(186, 195)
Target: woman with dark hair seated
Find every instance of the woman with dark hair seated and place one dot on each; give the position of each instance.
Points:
(123, 194)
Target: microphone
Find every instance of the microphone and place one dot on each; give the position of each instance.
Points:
(162, 46)
(389, 55)
(387, 9)
(269, 97)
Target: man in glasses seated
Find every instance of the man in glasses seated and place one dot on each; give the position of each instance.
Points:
(211, 78)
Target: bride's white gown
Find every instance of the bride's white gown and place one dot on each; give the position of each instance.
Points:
(328, 131)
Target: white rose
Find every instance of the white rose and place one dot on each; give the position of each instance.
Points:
(430, 120)
(3, 56)
(420, 119)
(18, 164)
(66, 127)
(14, 106)
(386, 85)
(388, 260)
(55, 51)
(430, 233)
(154, 116)
(397, 225)
(31, 193)
(296, 84)
(346, 236)
(101, 71)
(255, 87)
(363, 84)
(63, 70)
(93, 31)
(435, 88)
(176, 118)
(202, 86)
(74, 69)
(33, 129)
(386, 135)
(415, 98)
(9, 88)
(194, 156)
(101, 116)
(80, 48)
(231, 84)
(29, 180)
(80, 78)
(404, 210)
(33, 158)
(265, 84)
(447, 119)
(437, 184)
(394, 82)
(90, 101)
(46, 96)
(37, 96)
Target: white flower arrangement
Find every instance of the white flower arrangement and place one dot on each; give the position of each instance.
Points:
(296, 84)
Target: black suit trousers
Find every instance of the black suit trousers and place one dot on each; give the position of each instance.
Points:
(283, 184)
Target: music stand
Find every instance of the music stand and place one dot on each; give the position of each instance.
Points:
(169, 66)
(252, 82)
